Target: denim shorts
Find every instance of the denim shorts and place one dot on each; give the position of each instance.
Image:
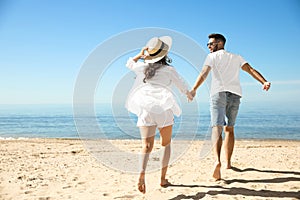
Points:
(224, 105)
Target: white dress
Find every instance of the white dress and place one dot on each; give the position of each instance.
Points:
(155, 95)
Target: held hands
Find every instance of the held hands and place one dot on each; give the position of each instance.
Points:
(193, 92)
(266, 86)
(190, 95)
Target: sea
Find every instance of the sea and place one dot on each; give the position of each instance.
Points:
(108, 122)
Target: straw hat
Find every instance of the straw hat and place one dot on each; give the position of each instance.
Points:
(158, 48)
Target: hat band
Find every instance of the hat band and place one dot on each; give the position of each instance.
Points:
(159, 50)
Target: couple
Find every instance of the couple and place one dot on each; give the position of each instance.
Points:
(153, 102)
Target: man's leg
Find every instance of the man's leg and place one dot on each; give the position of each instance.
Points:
(228, 144)
(218, 108)
(216, 137)
(232, 108)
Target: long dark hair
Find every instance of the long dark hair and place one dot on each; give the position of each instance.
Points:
(152, 67)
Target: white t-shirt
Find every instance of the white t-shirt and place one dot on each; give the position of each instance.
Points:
(225, 68)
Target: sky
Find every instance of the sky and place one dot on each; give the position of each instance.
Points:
(43, 44)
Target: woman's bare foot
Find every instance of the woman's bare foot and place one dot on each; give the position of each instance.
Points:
(142, 186)
(217, 171)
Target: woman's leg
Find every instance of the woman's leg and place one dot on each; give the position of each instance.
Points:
(166, 135)
(147, 135)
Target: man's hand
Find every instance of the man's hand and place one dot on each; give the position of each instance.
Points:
(266, 86)
(193, 92)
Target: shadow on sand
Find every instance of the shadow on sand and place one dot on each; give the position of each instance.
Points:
(231, 191)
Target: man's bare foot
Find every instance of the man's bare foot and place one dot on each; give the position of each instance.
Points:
(164, 183)
(228, 165)
(142, 186)
(217, 171)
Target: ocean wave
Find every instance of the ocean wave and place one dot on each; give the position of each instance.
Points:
(12, 138)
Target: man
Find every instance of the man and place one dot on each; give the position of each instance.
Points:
(225, 93)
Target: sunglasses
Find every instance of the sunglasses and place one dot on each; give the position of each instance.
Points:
(211, 43)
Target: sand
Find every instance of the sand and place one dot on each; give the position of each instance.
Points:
(47, 169)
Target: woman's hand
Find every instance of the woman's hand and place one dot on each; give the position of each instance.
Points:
(141, 54)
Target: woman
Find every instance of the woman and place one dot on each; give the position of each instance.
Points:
(152, 100)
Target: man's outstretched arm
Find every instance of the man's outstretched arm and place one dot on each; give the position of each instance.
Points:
(255, 74)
